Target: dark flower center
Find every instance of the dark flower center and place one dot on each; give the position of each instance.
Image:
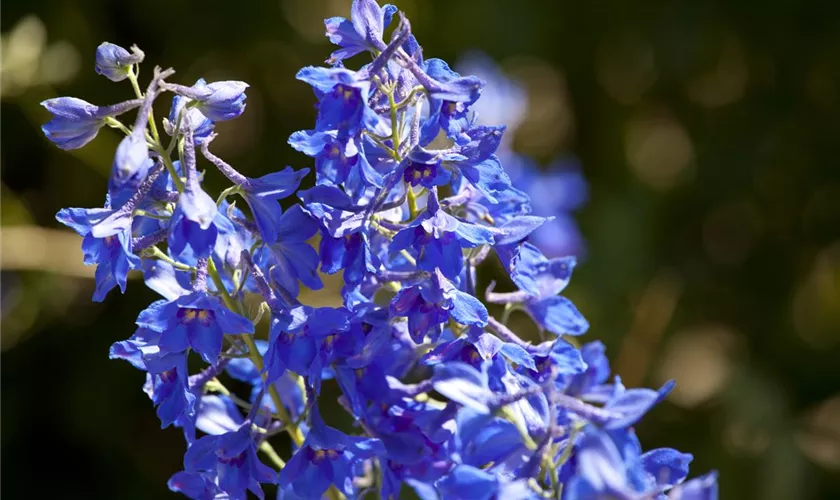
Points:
(319, 456)
(237, 461)
(188, 315)
(416, 173)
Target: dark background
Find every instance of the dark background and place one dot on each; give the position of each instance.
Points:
(708, 132)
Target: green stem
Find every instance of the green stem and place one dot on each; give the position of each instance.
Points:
(157, 253)
(150, 215)
(272, 455)
(379, 142)
(114, 123)
(509, 308)
(395, 129)
(507, 414)
(174, 139)
(132, 77)
(416, 90)
(170, 167)
(412, 201)
(256, 357)
(227, 192)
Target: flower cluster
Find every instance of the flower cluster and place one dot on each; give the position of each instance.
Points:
(409, 198)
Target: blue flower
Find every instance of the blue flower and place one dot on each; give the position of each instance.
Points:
(262, 195)
(305, 340)
(167, 383)
(232, 456)
(364, 32)
(588, 384)
(476, 347)
(425, 169)
(557, 357)
(112, 254)
(665, 467)
(288, 348)
(628, 406)
(114, 62)
(431, 303)
(337, 160)
(196, 223)
(197, 320)
(343, 100)
(541, 280)
(464, 385)
(345, 243)
(557, 190)
(612, 464)
(290, 257)
(439, 237)
(327, 457)
(76, 122)
(291, 395)
(476, 162)
(451, 116)
(351, 253)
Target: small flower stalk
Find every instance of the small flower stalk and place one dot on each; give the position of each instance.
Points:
(409, 198)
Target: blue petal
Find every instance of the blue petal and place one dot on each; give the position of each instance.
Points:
(367, 18)
(217, 415)
(341, 32)
(558, 315)
(310, 142)
(161, 277)
(468, 483)
(463, 384)
(600, 464)
(701, 488)
(518, 355)
(518, 228)
(201, 455)
(631, 406)
(666, 466)
(467, 309)
(81, 219)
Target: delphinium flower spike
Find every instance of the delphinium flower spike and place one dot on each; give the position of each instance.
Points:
(410, 198)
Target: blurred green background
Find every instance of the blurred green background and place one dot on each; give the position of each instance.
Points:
(708, 132)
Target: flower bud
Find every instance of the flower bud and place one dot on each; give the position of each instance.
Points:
(201, 126)
(131, 161)
(226, 102)
(75, 122)
(114, 62)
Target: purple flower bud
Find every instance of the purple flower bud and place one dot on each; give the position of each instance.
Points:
(131, 161)
(226, 102)
(201, 126)
(114, 62)
(76, 122)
